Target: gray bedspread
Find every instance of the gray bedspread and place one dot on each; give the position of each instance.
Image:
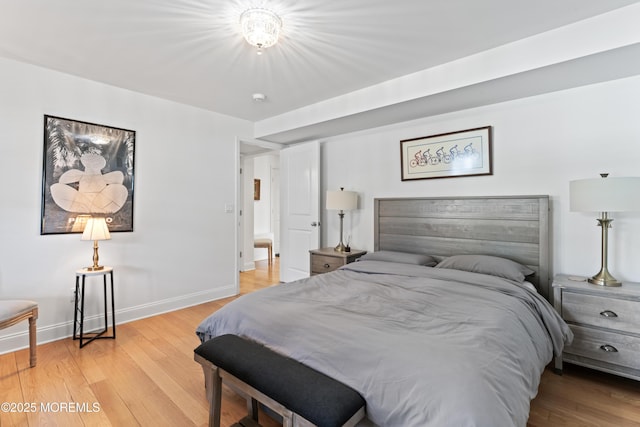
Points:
(424, 346)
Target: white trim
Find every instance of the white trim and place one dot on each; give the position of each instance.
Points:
(48, 333)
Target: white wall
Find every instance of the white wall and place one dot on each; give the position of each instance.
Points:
(179, 252)
(539, 145)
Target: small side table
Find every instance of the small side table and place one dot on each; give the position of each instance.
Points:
(324, 260)
(605, 324)
(78, 315)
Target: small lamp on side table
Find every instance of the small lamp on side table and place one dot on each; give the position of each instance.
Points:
(342, 201)
(605, 195)
(96, 229)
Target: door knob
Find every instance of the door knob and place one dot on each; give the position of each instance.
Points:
(315, 224)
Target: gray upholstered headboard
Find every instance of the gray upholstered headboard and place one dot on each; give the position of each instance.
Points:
(513, 227)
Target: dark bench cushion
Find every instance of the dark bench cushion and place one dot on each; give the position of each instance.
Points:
(301, 389)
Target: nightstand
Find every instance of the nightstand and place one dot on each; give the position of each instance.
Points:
(605, 322)
(325, 260)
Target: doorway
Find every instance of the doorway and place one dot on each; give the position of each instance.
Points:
(266, 205)
(258, 201)
(296, 191)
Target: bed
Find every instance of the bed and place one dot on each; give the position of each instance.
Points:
(446, 322)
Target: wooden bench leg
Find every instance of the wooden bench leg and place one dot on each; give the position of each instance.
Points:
(213, 386)
(287, 419)
(215, 404)
(252, 408)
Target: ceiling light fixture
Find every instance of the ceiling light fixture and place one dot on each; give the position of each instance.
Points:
(260, 27)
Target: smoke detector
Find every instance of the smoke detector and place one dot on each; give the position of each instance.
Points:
(259, 97)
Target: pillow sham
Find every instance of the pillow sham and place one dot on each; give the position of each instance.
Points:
(401, 257)
(487, 264)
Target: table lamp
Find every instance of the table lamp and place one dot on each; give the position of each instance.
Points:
(604, 195)
(96, 229)
(79, 223)
(342, 201)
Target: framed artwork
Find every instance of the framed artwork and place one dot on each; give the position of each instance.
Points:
(87, 171)
(256, 189)
(462, 153)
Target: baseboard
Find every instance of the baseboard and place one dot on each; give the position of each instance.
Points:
(47, 333)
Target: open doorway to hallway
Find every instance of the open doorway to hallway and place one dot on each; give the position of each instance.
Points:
(258, 204)
(266, 206)
(295, 214)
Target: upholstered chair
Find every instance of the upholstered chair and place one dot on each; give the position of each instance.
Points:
(15, 311)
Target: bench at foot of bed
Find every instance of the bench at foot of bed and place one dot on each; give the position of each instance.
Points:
(300, 395)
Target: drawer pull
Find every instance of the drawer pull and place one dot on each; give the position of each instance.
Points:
(327, 266)
(608, 348)
(608, 313)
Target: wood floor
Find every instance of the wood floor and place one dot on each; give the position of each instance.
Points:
(147, 377)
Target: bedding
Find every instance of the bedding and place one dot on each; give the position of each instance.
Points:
(401, 257)
(424, 346)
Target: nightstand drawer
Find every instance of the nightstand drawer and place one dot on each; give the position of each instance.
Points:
(324, 264)
(621, 315)
(325, 260)
(617, 349)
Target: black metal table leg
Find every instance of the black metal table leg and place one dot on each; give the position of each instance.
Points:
(75, 311)
(80, 290)
(113, 308)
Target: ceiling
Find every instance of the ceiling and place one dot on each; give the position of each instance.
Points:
(191, 51)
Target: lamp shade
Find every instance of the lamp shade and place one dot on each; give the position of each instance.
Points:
(96, 229)
(342, 200)
(605, 195)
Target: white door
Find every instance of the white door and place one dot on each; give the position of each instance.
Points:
(300, 208)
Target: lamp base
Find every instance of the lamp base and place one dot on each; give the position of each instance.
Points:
(604, 280)
(95, 268)
(341, 248)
